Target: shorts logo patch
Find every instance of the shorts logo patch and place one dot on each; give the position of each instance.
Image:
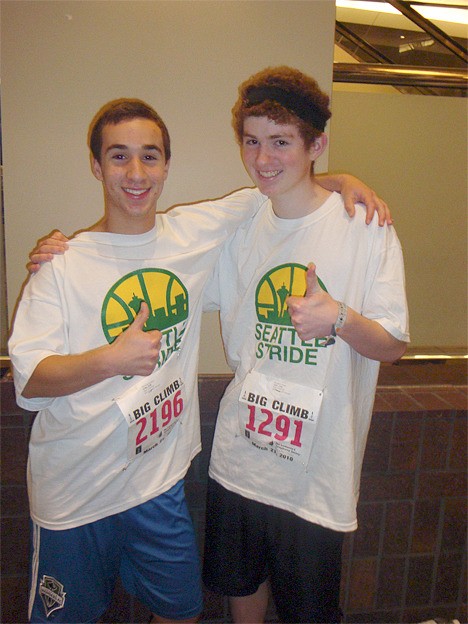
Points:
(52, 594)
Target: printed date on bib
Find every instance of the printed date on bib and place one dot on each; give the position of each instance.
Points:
(153, 409)
(279, 416)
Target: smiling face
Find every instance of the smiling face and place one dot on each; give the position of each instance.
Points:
(133, 170)
(277, 160)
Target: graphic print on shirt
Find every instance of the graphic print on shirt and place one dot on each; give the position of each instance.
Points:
(153, 407)
(168, 304)
(277, 415)
(276, 338)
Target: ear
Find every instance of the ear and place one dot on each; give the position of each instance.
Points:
(96, 169)
(318, 146)
(166, 168)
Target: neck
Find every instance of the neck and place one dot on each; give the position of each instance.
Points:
(131, 226)
(300, 202)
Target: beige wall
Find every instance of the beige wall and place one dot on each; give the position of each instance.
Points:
(413, 149)
(61, 60)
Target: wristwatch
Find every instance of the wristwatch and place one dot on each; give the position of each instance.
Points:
(339, 323)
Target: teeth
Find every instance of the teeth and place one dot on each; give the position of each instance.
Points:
(135, 192)
(268, 174)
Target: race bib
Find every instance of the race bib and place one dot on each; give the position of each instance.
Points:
(153, 409)
(279, 416)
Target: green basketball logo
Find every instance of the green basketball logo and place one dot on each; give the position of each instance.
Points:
(166, 296)
(274, 288)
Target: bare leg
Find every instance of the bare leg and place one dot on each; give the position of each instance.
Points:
(250, 609)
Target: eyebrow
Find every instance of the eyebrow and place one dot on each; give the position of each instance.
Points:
(270, 136)
(147, 148)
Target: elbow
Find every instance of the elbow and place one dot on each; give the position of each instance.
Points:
(33, 389)
(28, 392)
(396, 352)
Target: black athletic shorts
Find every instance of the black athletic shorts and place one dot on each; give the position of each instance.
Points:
(248, 542)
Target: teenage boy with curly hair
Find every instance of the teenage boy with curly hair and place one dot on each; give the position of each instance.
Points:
(310, 303)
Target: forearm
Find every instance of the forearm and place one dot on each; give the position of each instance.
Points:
(370, 339)
(354, 191)
(331, 181)
(134, 352)
(60, 375)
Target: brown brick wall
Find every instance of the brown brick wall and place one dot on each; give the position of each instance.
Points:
(407, 560)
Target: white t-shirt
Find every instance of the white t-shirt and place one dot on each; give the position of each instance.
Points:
(293, 423)
(86, 461)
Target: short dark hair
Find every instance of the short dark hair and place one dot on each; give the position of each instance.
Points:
(121, 110)
(295, 98)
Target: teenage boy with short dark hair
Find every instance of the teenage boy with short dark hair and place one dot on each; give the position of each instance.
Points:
(104, 345)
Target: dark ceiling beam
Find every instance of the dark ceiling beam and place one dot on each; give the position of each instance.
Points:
(436, 33)
(360, 43)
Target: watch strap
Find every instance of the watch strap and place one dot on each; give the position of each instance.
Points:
(338, 324)
(341, 318)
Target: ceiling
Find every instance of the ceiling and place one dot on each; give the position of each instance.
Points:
(416, 46)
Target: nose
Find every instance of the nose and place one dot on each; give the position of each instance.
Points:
(135, 169)
(262, 155)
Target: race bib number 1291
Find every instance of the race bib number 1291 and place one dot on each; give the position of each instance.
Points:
(279, 415)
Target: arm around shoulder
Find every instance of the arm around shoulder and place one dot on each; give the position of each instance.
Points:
(355, 191)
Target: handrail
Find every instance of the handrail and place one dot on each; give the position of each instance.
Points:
(423, 355)
(400, 75)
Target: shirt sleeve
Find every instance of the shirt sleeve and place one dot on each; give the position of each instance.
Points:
(385, 300)
(39, 331)
(212, 295)
(213, 221)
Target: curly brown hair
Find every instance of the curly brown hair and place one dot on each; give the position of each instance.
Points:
(301, 89)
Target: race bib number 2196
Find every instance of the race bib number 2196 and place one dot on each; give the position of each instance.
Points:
(153, 409)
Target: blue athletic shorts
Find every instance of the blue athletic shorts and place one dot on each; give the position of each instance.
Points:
(247, 542)
(152, 547)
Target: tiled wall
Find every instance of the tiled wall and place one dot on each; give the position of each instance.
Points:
(407, 560)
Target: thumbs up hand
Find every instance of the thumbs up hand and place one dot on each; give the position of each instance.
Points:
(313, 314)
(140, 319)
(136, 351)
